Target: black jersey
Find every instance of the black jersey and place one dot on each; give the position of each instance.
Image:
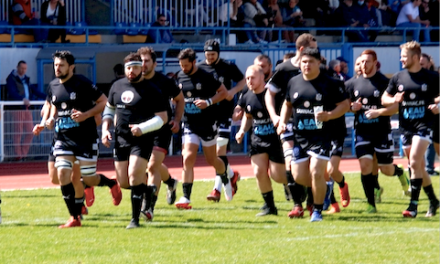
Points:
(305, 95)
(420, 90)
(263, 131)
(168, 88)
(279, 81)
(135, 103)
(226, 73)
(370, 91)
(77, 93)
(200, 85)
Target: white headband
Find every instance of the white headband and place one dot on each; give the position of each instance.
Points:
(133, 63)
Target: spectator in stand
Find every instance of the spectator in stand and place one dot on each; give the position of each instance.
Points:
(323, 12)
(409, 17)
(367, 18)
(161, 35)
(18, 88)
(387, 15)
(255, 16)
(21, 14)
(347, 16)
(425, 12)
(274, 17)
(292, 17)
(396, 5)
(223, 13)
(53, 12)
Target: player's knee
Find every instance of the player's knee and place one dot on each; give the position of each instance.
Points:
(88, 170)
(221, 141)
(63, 164)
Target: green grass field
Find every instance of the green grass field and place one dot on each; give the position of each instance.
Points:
(225, 232)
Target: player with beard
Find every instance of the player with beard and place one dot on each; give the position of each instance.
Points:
(415, 89)
(76, 101)
(140, 109)
(226, 73)
(202, 92)
(266, 152)
(314, 98)
(157, 171)
(372, 127)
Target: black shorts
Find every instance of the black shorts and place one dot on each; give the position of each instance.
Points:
(162, 139)
(87, 152)
(274, 151)
(406, 136)
(206, 133)
(142, 150)
(224, 127)
(337, 146)
(316, 146)
(382, 145)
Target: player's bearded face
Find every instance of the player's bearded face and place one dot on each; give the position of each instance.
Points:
(367, 64)
(147, 64)
(406, 59)
(211, 56)
(61, 68)
(186, 66)
(133, 73)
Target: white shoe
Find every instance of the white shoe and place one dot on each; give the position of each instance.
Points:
(228, 190)
(249, 42)
(183, 203)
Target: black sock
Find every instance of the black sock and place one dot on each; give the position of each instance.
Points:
(309, 196)
(187, 189)
(375, 182)
(397, 170)
(416, 186)
(153, 202)
(136, 200)
(318, 207)
(296, 190)
(69, 198)
(170, 181)
(430, 193)
(106, 181)
(368, 184)
(268, 199)
(342, 183)
(332, 197)
(148, 196)
(224, 177)
(79, 203)
(225, 161)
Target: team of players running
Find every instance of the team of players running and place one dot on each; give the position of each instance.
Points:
(297, 111)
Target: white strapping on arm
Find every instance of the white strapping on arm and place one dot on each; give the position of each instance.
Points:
(153, 124)
(109, 112)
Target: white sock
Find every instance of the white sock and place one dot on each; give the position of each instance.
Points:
(218, 183)
(230, 172)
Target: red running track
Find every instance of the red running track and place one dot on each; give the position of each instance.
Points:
(29, 175)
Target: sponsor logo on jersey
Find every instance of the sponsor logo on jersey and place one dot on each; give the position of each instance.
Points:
(306, 104)
(318, 97)
(304, 111)
(221, 79)
(376, 93)
(412, 96)
(72, 96)
(424, 87)
(199, 86)
(400, 88)
(63, 105)
(54, 98)
(295, 95)
(188, 94)
(180, 85)
(365, 101)
(127, 97)
(249, 108)
(356, 93)
(259, 114)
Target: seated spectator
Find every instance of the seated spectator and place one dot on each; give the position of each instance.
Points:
(387, 16)
(255, 16)
(292, 17)
(425, 12)
(53, 12)
(347, 16)
(409, 17)
(367, 17)
(274, 17)
(159, 35)
(396, 5)
(223, 13)
(21, 14)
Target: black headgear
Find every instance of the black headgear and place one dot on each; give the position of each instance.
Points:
(212, 45)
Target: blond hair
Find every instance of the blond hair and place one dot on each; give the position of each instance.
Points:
(413, 47)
